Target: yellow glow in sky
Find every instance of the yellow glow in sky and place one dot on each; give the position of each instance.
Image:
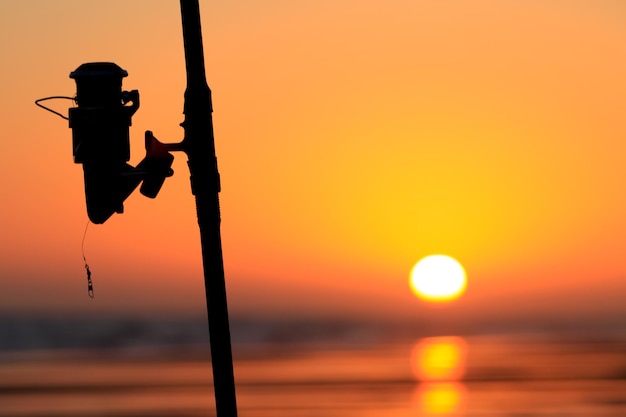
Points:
(350, 136)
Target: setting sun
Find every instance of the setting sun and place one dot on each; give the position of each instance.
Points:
(438, 278)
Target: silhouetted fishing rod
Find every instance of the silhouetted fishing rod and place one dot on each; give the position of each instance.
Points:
(101, 143)
(199, 144)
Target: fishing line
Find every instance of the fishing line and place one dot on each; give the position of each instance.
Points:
(89, 282)
(38, 102)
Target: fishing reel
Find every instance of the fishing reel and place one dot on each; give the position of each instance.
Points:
(101, 142)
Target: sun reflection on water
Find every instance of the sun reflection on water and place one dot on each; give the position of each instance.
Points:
(440, 399)
(438, 364)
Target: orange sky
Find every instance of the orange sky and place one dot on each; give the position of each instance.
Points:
(353, 138)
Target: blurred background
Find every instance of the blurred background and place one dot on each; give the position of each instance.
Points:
(353, 139)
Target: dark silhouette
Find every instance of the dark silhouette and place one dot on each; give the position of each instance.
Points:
(199, 144)
(100, 137)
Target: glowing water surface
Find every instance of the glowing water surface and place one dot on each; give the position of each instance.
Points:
(449, 376)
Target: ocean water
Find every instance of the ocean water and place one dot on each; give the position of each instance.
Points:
(140, 369)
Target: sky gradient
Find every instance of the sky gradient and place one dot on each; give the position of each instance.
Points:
(353, 139)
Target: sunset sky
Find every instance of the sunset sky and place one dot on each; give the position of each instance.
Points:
(353, 139)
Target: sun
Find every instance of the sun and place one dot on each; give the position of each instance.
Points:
(438, 278)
